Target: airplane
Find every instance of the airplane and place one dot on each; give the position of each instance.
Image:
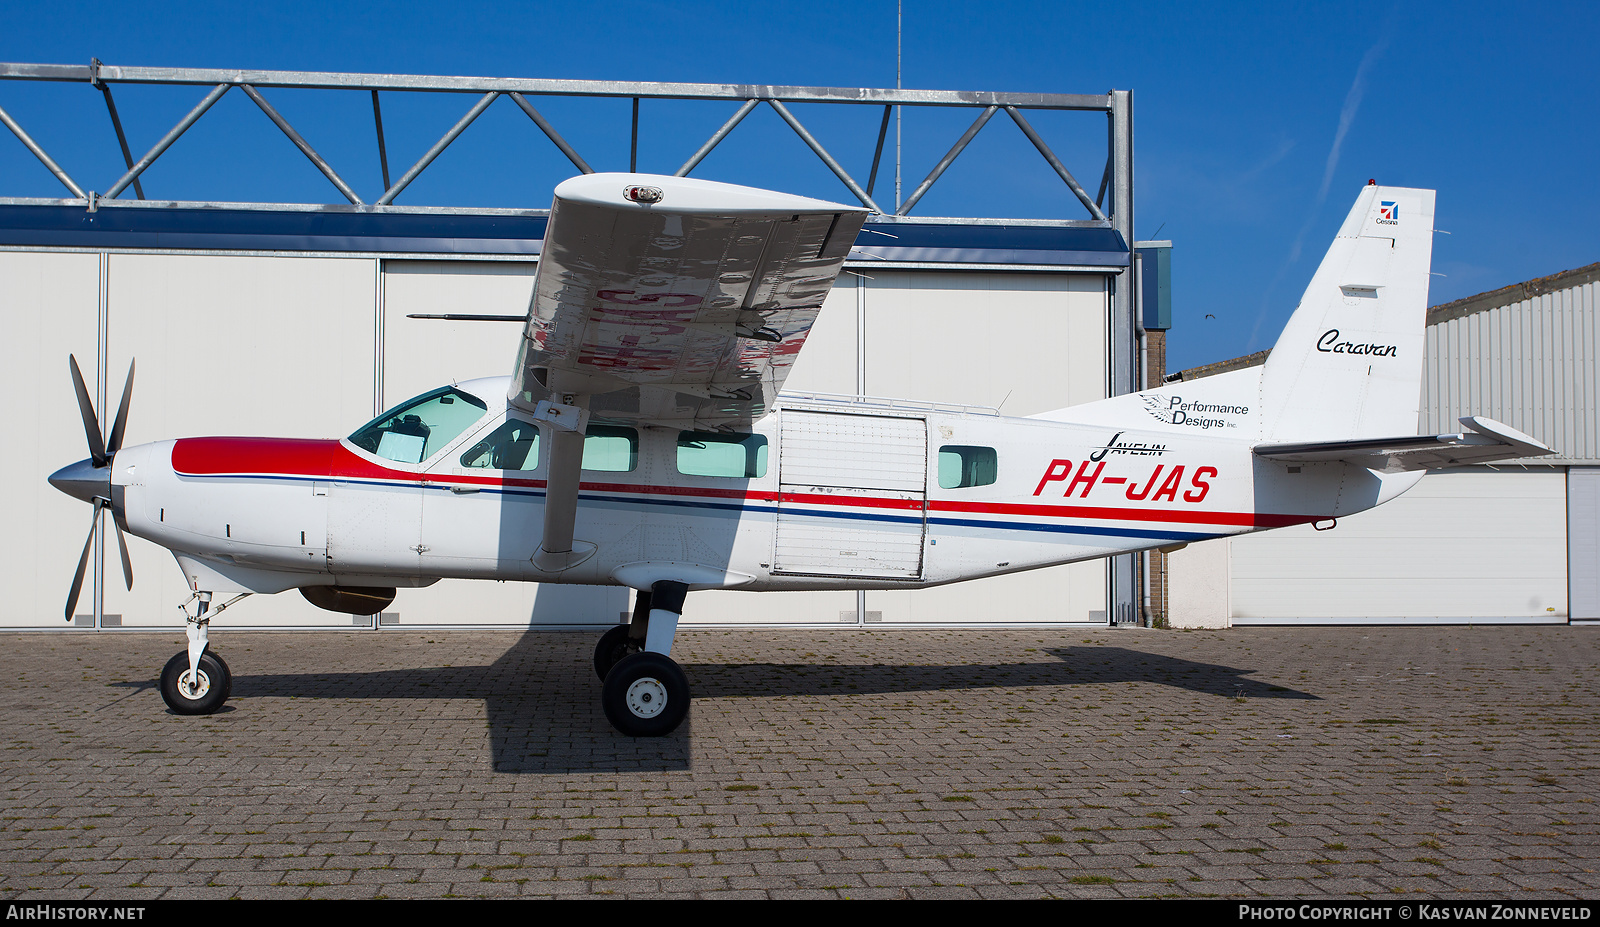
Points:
(642, 440)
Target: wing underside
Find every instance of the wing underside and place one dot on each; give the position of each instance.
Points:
(676, 301)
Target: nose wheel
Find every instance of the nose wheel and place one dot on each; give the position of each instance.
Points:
(645, 695)
(196, 692)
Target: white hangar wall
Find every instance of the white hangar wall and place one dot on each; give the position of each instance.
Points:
(313, 345)
(1513, 543)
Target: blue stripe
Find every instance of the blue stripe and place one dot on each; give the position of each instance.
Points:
(1075, 529)
(768, 509)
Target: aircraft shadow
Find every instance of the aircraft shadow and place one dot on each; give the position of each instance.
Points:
(542, 698)
(1073, 666)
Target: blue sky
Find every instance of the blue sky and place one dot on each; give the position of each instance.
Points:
(1255, 123)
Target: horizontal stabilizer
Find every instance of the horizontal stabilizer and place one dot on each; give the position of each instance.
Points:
(1488, 442)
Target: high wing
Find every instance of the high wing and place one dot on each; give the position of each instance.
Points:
(666, 301)
(1490, 441)
(676, 301)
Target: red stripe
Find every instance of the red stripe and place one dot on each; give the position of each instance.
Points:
(330, 459)
(313, 459)
(817, 498)
(700, 491)
(215, 456)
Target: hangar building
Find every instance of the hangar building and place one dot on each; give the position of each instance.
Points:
(295, 320)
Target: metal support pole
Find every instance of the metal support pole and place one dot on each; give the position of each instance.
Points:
(379, 323)
(301, 143)
(1050, 156)
(38, 152)
(827, 159)
(102, 346)
(722, 133)
(551, 133)
(947, 160)
(633, 143)
(1124, 569)
(861, 392)
(877, 153)
(167, 140)
(383, 156)
(438, 147)
(116, 121)
(1123, 322)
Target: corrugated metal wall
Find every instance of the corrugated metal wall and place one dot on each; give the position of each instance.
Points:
(1530, 364)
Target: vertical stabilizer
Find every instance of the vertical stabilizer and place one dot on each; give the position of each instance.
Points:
(1349, 363)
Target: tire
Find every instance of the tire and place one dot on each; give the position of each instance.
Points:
(612, 648)
(645, 695)
(216, 684)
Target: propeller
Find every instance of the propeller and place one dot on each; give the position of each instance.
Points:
(90, 480)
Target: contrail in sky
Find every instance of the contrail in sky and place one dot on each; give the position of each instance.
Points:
(1347, 116)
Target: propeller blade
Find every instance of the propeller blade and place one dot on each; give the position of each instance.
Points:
(127, 562)
(119, 426)
(91, 424)
(83, 564)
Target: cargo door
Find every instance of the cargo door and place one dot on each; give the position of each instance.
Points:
(853, 495)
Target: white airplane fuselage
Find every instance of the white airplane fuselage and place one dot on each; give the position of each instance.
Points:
(642, 440)
(850, 495)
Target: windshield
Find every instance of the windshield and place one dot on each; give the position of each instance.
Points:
(419, 428)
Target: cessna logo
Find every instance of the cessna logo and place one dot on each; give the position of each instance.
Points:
(1388, 212)
(1329, 343)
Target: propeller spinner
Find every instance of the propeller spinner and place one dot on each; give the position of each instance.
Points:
(90, 479)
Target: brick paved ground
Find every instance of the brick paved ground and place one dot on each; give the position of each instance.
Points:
(1452, 762)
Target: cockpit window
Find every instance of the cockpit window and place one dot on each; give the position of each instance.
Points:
(512, 446)
(419, 428)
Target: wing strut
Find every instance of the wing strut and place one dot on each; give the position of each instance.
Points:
(568, 420)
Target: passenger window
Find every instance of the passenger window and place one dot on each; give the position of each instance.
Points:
(962, 465)
(610, 447)
(512, 446)
(709, 453)
(419, 428)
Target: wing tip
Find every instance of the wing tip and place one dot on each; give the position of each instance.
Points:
(689, 195)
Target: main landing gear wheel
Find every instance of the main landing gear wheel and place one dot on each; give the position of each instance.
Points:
(190, 696)
(613, 646)
(645, 695)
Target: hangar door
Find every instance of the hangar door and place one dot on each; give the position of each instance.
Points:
(1583, 550)
(1470, 543)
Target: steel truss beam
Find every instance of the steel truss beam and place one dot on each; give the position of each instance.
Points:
(749, 96)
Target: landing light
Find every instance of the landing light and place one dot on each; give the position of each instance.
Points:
(645, 195)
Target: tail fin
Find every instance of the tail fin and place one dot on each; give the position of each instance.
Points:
(1349, 363)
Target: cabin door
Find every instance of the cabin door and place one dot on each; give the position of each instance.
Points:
(854, 495)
